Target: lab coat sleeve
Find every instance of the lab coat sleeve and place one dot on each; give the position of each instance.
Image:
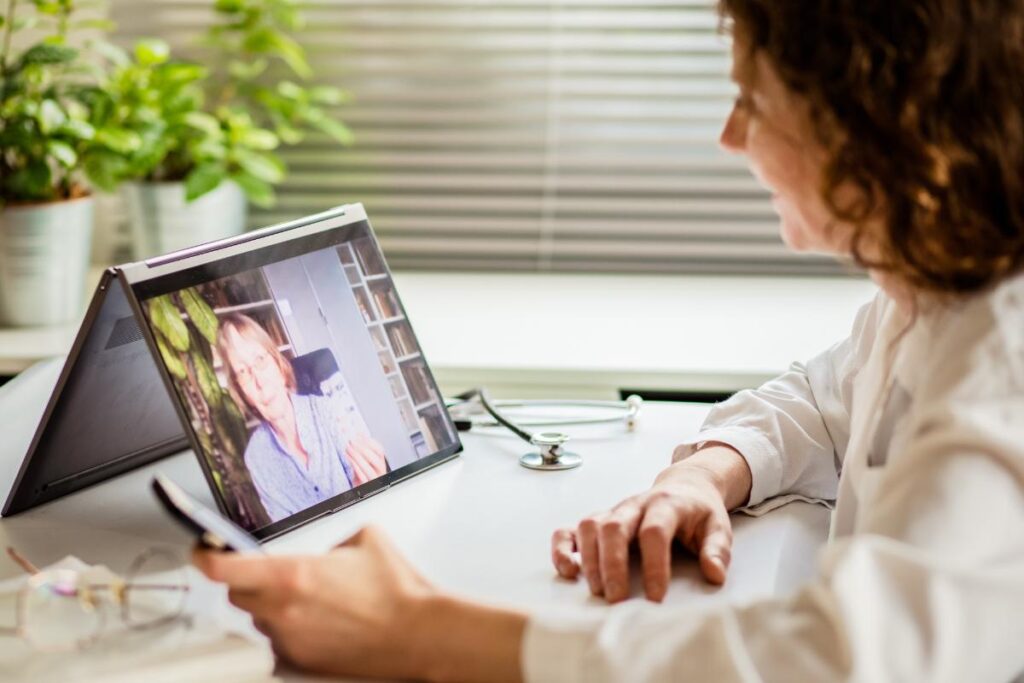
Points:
(793, 430)
(931, 590)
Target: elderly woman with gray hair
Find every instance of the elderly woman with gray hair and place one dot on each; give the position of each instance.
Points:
(298, 455)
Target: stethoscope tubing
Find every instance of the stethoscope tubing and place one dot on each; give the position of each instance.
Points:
(628, 412)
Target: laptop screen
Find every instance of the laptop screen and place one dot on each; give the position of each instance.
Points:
(301, 378)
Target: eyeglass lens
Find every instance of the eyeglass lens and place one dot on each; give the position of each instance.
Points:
(156, 589)
(54, 613)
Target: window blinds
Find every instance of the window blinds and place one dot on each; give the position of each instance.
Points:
(545, 135)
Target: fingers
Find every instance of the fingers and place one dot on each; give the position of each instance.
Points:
(586, 539)
(563, 545)
(654, 537)
(358, 463)
(263, 626)
(255, 602)
(249, 572)
(366, 458)
(370, 537)
(616, 532)
(380, 458)
(716, 547)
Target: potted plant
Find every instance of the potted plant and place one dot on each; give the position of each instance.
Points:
(45, 205)
(203, 140)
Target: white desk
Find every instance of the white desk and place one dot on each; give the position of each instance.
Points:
(589, 335)
(479, 525)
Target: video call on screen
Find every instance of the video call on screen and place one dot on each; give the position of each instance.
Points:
(302, 379)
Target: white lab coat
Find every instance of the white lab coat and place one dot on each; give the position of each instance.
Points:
(918, 436)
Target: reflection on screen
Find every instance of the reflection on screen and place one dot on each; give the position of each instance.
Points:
(302, 379)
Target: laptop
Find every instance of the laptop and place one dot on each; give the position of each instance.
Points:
(282, 357)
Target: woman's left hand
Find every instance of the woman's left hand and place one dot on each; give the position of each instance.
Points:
(366, 455)
(356, 610)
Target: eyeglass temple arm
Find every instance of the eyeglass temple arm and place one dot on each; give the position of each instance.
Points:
(21, 561)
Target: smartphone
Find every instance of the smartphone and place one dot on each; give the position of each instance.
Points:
(212, 529)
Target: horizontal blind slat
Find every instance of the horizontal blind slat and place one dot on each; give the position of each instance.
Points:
(523, 134)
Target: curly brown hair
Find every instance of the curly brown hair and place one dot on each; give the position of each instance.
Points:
(920, 106)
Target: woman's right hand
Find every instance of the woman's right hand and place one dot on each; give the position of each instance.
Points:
(689, 501)
(366, 456)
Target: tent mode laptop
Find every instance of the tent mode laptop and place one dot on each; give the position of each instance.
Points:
(283, 357)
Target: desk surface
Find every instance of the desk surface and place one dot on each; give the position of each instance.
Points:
(589, 335)
(479, 525)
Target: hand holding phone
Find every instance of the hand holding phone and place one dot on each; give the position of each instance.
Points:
(212, 529)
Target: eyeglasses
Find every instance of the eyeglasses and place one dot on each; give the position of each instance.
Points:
(245, 372)
(67, 609)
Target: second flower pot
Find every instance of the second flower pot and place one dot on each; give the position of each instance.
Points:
(162, 221)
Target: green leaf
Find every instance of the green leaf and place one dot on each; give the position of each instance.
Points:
(119, 139)
(265, 167)
(200, 313)
(78, 129)
(172, 359)
(75, 108)
(258, 138)
(151, 51)
(47, 7)
(178, 74)
(324, 94)
(229, 6)
(289, 134)
(268, 41)
(105, 169)
(50, 116)
(245, 71)
(209, 150)
(203, 179)
(208, 383)
(48, 54)
(97, 24)
(33, 181)
(167, 318)
(291, 90)
(204, 123)
(258, 192)
(114, 53)
(335, 129)
(62, 152)
(206, 443)
(22, 23)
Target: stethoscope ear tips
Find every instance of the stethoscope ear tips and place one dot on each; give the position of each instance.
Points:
(633, 403)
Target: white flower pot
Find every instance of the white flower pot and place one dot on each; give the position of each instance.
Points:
(162, 221)
(111, 236)
(44, 261)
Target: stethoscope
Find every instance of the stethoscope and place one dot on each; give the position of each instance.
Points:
(550, 454)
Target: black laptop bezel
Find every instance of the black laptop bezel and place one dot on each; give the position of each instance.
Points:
(172, 274)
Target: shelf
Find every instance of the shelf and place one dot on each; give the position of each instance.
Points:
(395, 319)
(411, 356)
(425, 404)
(244, 307)
(375, 277)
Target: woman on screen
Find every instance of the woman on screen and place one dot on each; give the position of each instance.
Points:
(299, 454)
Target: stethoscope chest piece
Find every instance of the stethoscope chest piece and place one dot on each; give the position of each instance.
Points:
(550, 454)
